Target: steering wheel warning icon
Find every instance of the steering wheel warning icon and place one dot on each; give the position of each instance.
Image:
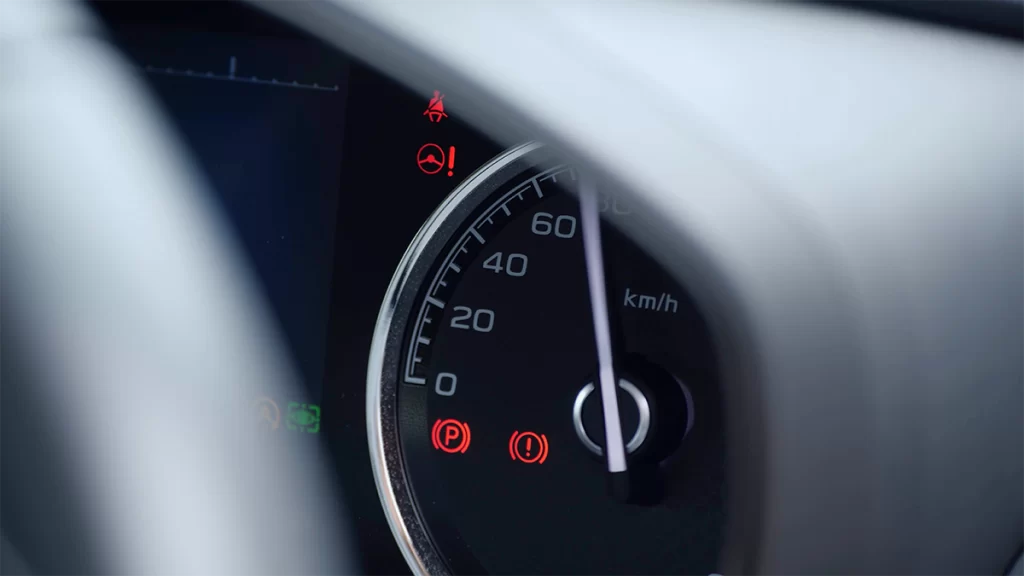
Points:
(431, 159)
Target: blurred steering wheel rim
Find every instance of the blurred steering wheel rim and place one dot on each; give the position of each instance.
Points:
(134, 337)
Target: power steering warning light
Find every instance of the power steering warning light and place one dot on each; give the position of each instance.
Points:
(528, 447)
(450, 436)
(430, 159)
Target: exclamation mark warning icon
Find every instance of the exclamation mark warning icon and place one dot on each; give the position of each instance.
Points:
(451, 160)
(528, 447)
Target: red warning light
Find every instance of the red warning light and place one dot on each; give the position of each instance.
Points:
(450, 435)
(430, 158)
(435, 109)
(528, 447)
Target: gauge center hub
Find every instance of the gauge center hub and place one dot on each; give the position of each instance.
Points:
(637, 401)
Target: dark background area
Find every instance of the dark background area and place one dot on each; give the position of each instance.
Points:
(322, 189)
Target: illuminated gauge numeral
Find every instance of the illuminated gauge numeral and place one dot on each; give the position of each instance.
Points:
(482, 320)
(514, 265)
(445, 384)
(546, 224)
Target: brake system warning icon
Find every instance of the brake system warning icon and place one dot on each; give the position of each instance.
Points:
(528, 447)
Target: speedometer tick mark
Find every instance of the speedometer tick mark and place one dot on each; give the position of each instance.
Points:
(504, 208)
(455, 267)
(536, 188)
(476, 235)
(435, 302)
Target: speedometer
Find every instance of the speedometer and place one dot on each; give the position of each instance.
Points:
(484, 417)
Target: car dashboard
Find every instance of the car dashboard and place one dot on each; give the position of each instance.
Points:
(510, 359)
(325, 171)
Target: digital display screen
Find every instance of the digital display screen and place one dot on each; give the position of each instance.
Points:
(265, 121)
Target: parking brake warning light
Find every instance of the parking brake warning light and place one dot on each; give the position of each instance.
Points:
(450, 436)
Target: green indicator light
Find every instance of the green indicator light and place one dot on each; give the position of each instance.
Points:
(303, 417)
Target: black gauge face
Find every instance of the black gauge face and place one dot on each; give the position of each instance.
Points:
(486, 428)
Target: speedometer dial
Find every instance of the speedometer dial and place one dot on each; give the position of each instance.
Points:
(485, 417)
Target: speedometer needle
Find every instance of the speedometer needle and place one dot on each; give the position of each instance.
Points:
(615, 450)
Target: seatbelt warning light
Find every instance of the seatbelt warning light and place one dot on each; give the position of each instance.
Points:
(435, 109)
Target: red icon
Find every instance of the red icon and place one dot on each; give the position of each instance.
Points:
(528, 447)
(450, 435)
(435, 109)
(430, 158)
